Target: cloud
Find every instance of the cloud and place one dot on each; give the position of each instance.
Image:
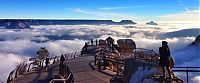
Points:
(181, 33)
(29, 48)
(7, 63)
(183, 17)
(103, 14)
(60, 39)
(196, 79)
(125, 7)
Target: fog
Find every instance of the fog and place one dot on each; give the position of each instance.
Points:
(59, 39)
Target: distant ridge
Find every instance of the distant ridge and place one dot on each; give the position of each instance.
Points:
(15, 24)
(4, 22)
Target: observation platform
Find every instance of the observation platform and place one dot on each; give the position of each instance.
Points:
(79, 66)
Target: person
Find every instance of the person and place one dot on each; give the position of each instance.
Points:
(164, 62)
(62, 59)
(47, 62)
(61, 65)
(96, 42)
(86, 46)
(91, 41)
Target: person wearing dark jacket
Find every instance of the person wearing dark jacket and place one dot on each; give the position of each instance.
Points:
(47, 62)
(61, 65)
(164, 52)
(62, 59)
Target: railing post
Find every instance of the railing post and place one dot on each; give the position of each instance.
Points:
(117, 68)
(187, 73)
(74, 54)
(16, 72)
(95, 60)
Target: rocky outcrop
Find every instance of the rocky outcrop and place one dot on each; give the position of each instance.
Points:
(4, 22)
(125, 22)
(151, 23)
(196, 41)
(137, 71)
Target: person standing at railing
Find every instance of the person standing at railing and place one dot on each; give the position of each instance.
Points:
(61, 65)
(96, 42)
(91, 41)
(47, 62)
(62, 59)
(164, 62)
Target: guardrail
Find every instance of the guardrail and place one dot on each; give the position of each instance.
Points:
(23, 67)
(107, 61)
(187, 70)
(146, 55)
(64, 80)
(115, 65)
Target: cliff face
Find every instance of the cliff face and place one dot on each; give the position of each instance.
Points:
(196, 41)
(4, 22)
(138, 71)
(124, 22)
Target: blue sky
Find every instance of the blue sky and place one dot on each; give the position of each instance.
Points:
(95, 9)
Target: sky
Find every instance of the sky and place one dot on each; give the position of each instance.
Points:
(116, 10)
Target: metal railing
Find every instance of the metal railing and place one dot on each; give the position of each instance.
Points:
(24, 68)
(145, 55)
(187, 70)
(64, 80)
(141, 54)
(114, 65)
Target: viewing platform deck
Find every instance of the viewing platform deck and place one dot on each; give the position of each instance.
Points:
(80, 68)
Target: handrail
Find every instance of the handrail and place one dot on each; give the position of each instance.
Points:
(69, 76)
(9, 79)
(61, 80)
(24, 68)
(187, 71)
(186, 67)
(138, 53)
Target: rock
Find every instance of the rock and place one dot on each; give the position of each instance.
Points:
(151, 23)
(196, 41)
(102, 42)
(126, 45)
(124, 22)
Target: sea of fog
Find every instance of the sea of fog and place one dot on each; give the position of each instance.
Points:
(20, 44)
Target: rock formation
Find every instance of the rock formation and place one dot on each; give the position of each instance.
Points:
(151, 23)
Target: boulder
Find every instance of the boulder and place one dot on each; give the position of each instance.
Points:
(151, 23)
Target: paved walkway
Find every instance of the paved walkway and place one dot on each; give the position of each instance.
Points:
(80, 68)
